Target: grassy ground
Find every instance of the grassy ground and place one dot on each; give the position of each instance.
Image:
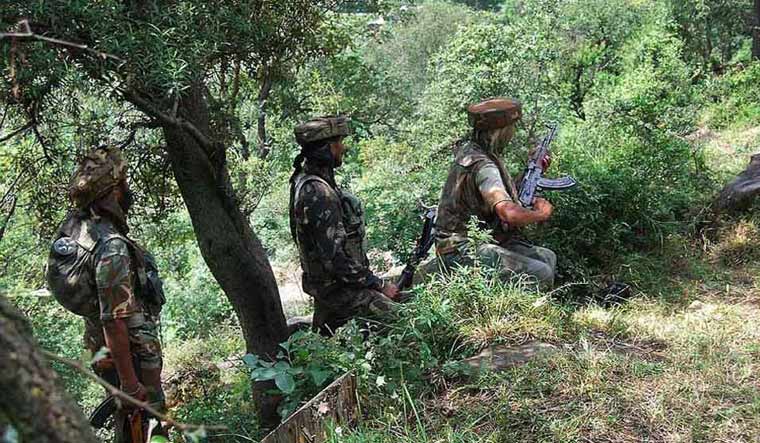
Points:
(677, 369)
(678, 363)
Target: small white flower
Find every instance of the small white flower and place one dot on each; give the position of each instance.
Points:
(380, 382)
(338, 431)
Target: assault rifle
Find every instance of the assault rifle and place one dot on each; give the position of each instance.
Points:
(533, 180)
(426, 240)
(135, 423)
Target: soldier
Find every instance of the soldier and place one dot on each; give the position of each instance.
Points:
(327, 225)
(96, 271)
(479, 185)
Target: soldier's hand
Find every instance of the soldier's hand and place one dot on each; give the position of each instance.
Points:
(137, 391)
(543, 207)
(391, 291)
(546, 161)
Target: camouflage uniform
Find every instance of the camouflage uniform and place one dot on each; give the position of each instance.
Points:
(118, 283)
(327, 224)
(119, 296)
(477, 182)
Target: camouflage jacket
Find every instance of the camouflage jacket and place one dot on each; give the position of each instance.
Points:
(117, 266)
(476, 183)
(116, 281)
(327, 225)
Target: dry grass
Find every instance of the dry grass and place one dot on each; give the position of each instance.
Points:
(682, 369)
(739, 244)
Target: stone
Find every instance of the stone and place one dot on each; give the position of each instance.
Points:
(501, 357)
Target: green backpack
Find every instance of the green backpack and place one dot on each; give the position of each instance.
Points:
(71, 267)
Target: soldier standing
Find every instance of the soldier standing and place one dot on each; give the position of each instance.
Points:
(96, 271)
(327, 225)
(479, 185)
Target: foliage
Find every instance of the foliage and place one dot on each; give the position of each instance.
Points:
(638, 177)
(405, 47)
(734, 98)
(421, 348)
(712, 30)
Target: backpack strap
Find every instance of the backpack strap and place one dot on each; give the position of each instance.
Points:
(136, 253)
(302, 179)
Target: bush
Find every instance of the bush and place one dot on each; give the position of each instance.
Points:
(734, 98)
(638, 178)
(450, 319)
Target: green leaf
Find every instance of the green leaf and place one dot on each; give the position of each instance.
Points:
(319, 376)
(250, 360)
(282, 366)
(159, 439)
(285, 382)
(263, 374)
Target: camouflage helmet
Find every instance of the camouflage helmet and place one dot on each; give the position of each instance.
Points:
(494, 113)
(97, 174)
(322, 128)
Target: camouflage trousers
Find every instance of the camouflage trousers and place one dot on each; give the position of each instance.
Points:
(509, 259)
(338, 307)
(145, 346)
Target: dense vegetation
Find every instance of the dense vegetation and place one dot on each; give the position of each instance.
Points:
(658, 106)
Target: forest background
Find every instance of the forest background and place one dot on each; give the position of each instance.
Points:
(658, 107)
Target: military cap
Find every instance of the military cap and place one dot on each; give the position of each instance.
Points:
(322, 128)
(97, 174)
(494, 113)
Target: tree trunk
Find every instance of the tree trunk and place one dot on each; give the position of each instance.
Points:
(32, 403)
(756, 32)
(229, 246)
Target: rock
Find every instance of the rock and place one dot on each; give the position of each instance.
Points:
(695, 306)
(500, 357)
(738, 195)
(301, 323)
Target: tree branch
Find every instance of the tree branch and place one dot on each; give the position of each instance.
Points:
(8, 218)
(5, 114)
(18, 131)
(116, 392)
(27, 34)
(166, 119)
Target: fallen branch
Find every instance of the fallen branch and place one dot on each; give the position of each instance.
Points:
(118, 393)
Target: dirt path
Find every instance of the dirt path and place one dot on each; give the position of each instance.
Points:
(294, 300)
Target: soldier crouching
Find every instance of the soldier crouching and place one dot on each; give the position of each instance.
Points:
(479, 185)
(327, 225)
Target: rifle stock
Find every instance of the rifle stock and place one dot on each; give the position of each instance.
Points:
(424, 243)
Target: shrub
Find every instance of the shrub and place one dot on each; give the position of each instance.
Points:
(734, 98)
(450, 319)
